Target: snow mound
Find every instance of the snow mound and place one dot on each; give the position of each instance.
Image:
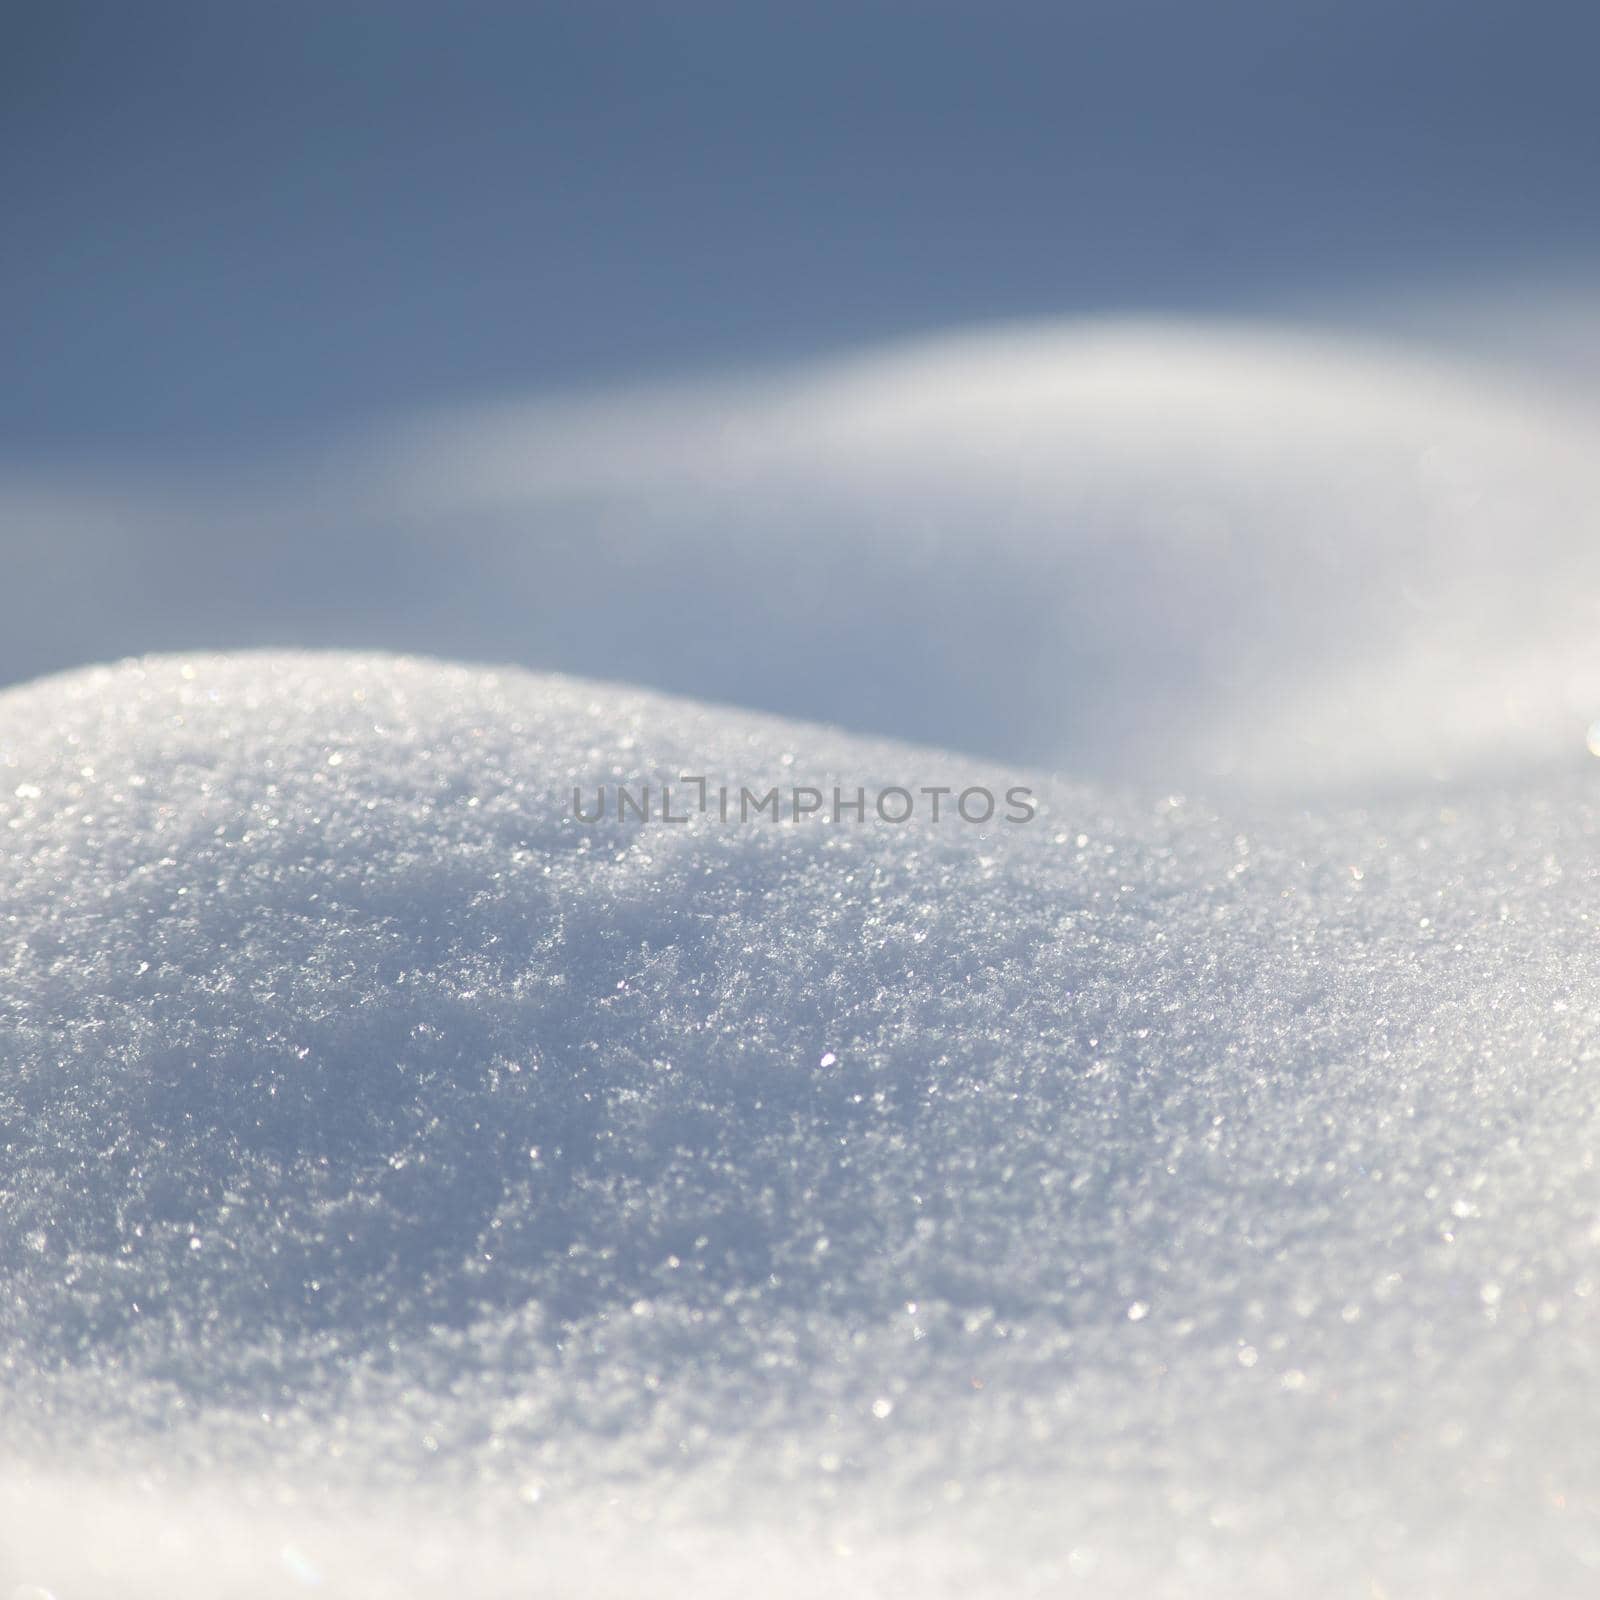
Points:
(1197, 555)
(406, 1182)
(1178, 552)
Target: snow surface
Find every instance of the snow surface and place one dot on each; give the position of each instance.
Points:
(1198, 555)
(407, 1188)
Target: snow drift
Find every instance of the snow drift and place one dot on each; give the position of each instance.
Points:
(1193, 555)
(407, 1184)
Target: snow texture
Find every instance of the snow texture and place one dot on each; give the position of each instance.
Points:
(406, 1188)
(409, 1188)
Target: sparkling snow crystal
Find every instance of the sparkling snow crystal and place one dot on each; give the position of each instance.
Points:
(408, 1188)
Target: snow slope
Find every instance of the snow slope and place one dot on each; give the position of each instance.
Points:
(1202, 556)
(407, 1186)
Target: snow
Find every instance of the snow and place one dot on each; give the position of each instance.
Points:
(407, 1186)
(1198, 555)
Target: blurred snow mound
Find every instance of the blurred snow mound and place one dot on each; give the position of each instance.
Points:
(407, 1183)
(1198, 555)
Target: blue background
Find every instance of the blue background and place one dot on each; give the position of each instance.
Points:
(229, 225)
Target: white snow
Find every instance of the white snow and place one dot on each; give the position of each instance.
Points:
(406, 1187)
(1194, 555)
